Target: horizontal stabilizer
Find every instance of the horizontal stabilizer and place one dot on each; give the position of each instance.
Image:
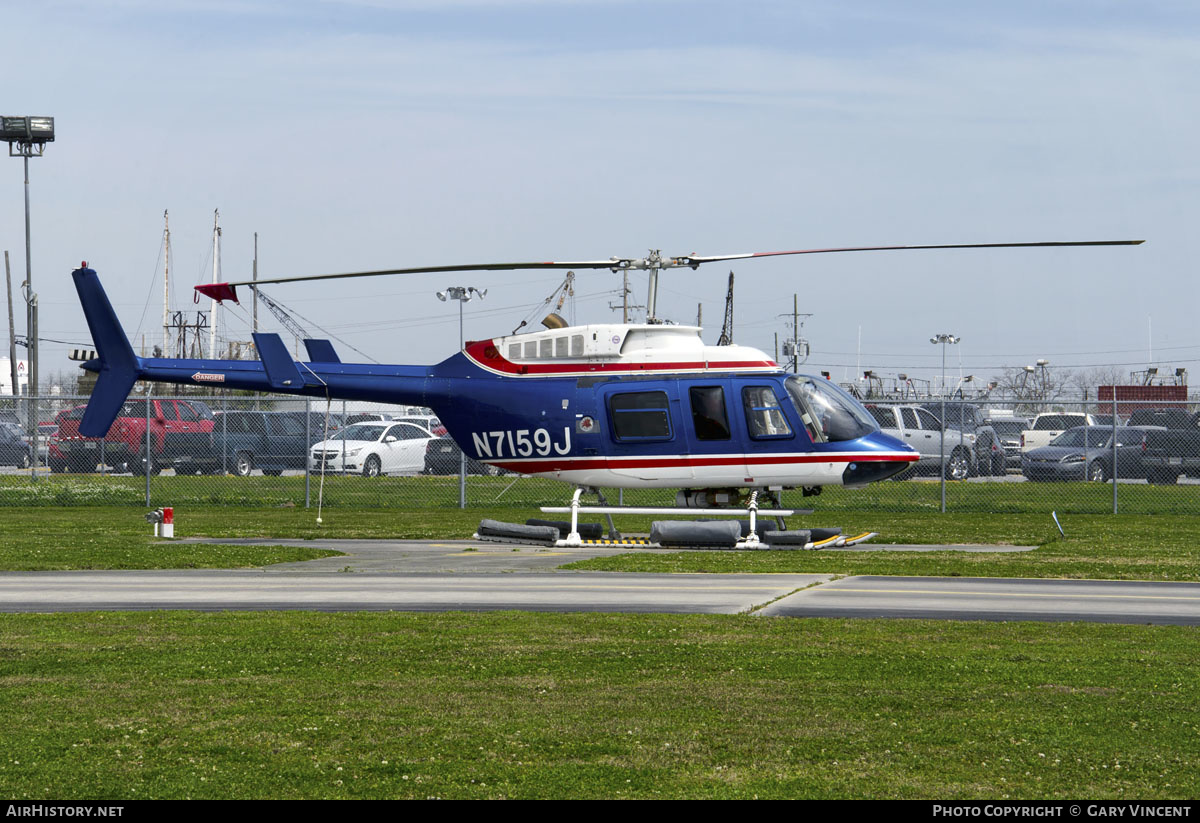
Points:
(280, 367)
(321, 351)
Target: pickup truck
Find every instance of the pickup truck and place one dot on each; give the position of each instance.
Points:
(1046, 427)
(922, 430)
(268, 440)
(1172, 450)
(181, 437)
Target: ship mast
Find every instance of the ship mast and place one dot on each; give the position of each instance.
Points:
(166, 346)
(216, 277)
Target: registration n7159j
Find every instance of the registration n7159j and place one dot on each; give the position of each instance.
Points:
(520, 443)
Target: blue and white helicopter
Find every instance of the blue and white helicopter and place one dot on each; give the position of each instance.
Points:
(599, 406)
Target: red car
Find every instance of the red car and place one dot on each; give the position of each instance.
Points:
(181, 437)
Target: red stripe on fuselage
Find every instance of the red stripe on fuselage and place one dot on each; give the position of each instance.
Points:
(580, 463)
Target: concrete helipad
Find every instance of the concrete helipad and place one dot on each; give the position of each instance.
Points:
(483, 556)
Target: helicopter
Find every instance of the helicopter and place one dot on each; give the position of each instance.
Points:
(598, 405)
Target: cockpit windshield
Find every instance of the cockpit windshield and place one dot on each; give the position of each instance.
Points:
(829, 414)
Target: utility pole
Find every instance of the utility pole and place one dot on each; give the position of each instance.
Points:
(625, 296)
(796, 333)
(625, 304)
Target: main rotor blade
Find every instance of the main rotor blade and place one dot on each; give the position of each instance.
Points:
(577, 264)
(692, 259)
(226, 291)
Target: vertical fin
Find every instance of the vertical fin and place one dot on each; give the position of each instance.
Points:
(118, 367)
(277, 363)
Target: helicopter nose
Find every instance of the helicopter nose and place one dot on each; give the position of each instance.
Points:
(884, 456)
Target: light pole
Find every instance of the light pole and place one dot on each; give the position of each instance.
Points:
(1042, 364)
(463, 294)
(943, 339)
(27, 137)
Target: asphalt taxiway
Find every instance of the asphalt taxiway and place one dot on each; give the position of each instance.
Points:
(477, 576)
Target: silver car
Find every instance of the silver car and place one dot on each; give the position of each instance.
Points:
(922, 430)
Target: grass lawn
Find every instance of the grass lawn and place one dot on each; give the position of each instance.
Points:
(452, 705)
(302, 705)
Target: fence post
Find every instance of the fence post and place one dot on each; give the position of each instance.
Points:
(34, 413)
(307, 439)
(146, 465)
(1115, 470)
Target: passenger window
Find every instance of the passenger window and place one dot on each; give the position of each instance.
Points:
(560, 346)
(928, 421)
(530, 349)
(764, 417)
(186, 412)
(640, 416)
(290, 426)
(546, 349)
(577, 345)
(885, 417)
(514, 351)
(708, 412)
(166, 410)
(910, 418)
(132, 408)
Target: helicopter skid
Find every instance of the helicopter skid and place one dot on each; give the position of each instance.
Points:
(573, 539)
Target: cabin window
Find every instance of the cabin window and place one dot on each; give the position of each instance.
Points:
(764, 417)
(560, 346)
(577, 345)
(531, 350)
(828, 413)
(546, 349)
(514, 351)
(708, 412)
(640, 416)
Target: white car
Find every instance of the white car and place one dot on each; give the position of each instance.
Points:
(372, 449)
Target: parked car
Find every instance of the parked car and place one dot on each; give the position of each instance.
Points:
(967, 427)
(181, 437)
(1046, 427)
(267, 440)
(1008, 430)
(989, 451)
(14, 451)
(1174, 448)
(428, 422)
(1174, 418)
(373, 449)
(443, 456)
(922, 430)
(1086, 453)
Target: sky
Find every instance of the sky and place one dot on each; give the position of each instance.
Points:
(374, 134)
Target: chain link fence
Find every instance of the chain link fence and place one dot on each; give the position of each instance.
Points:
(269, 450)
